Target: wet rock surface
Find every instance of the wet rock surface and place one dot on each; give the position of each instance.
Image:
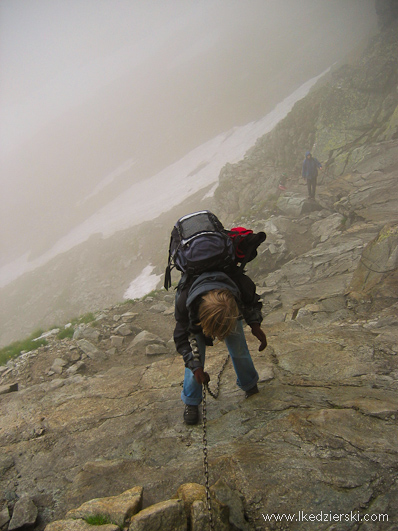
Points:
(320, 436)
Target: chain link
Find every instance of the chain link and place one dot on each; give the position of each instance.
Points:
(214, 394)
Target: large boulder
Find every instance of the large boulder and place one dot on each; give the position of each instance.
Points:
(25, 514)
(294, 205)
(145, 338)
(117, 509)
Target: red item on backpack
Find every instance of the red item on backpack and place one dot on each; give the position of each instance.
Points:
(238, 234)
(245, 244)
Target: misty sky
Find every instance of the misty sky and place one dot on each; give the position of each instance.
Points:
(91, 86)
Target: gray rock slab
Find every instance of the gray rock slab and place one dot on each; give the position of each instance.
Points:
(229, 497)
(333, 304)
(328, 362)
(6, 462)
(58, 365)
(117, 341)
(145, 338)
(200, 519)
(167, 516)
(129, 316)
(25, 514)
(291, 204)
(89, 349)
(4, 517)
(159, 308)
(265, 372)
(123, 330)
(86, 332)
(80, 366)
(327, 227)
(156, 349)
(8, 388)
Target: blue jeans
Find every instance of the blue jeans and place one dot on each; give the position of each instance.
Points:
(246, 373)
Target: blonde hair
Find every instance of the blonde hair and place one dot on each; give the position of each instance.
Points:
(218, 313)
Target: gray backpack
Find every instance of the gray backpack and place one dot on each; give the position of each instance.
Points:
(199, 243)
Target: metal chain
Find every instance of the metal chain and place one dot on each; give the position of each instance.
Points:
(205, 460)
(214, 394)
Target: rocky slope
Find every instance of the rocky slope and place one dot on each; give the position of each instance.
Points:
(99, 414)
(344, 122)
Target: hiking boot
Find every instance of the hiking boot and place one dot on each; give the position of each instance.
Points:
(191, 414)
(251, 392)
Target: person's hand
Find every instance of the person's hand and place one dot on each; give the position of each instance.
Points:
(201, 377)
(260, 335)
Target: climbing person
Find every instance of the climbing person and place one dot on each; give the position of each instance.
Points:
(310, 173)
(212, 307)
(213, 296)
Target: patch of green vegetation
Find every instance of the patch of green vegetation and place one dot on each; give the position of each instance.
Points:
(66, 333)
(37, 333)
(343, 224)
(14, 349)
(98, 519)
(386, 232)
(152, 293)
(84, 319)
(272, 198)
(126, 302)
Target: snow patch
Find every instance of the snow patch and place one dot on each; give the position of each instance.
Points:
(143, 284)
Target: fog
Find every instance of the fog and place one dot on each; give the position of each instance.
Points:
(98, 94)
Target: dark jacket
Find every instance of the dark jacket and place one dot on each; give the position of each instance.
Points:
(310, 167)
(188, 298)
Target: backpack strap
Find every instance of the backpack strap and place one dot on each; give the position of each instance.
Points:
(175, 236)
(167, 278)
(167, 273)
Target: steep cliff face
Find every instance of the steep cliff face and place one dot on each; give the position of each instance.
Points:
(339, 121)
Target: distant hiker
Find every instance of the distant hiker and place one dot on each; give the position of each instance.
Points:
(210, 304)
(310, 173)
